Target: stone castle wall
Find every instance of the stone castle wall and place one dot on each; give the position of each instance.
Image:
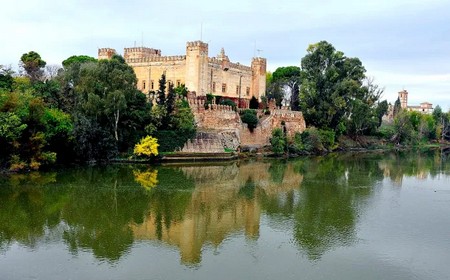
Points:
(293, 122)
(231, 132)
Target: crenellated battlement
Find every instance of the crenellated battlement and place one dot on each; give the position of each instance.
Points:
(106, 53)
(156, 59)
(259, 60)
(140, 52)
(231, 65)
(194, 44)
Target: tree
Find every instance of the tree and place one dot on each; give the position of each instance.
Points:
(181, 90)
(79, 59)
(170, 104)
(278, 141)
(335, 92)
(33, 65)
(6, 78)
(254, 104)
(162, 91)
(381, 110)
(442, 121)
(103, 90)
(148, 146)
(289, 77)
(397, 107)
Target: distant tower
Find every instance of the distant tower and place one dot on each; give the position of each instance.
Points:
(403, 96)
(106, 53)
(197, 67)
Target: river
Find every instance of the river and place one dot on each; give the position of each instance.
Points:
(341, 216)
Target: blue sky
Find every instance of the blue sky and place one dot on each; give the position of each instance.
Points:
(404, 44)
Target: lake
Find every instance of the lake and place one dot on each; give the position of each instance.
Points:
(341, 216)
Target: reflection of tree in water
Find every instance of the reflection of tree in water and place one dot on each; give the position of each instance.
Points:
(89, 208)
(25, 211)
(102, 204)
(147, 179)
(327, 204)
(169, 200)
(277, 170)
(104, 209)
(420, 164)
(248, 189)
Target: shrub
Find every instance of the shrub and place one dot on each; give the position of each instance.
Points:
(228, 102)
(313, 140)
(249, 117)
(148, 146)
(278, 141)
(254, 104)
(327, 137)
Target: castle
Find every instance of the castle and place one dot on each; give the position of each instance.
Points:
(198, 72)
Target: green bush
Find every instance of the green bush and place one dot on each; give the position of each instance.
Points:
(327, 137)
(313, 140)
(386, 131)
(228, 102)
(278, 141)
(249, 117)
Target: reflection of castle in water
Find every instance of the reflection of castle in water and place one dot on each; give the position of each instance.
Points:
(226, 200)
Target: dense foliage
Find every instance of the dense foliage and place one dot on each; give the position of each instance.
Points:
(90, 111)
(172, 121)
(337, 98)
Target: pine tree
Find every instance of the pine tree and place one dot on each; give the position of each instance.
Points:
(397, 107)
(162, 90)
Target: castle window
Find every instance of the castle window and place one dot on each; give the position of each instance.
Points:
(178, 83)
(224, 88)
(143, 84)
(214, 87)
(152, 85)
(237, 90)
(247, 91)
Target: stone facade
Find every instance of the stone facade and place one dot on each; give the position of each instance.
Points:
(199, 72)
(231, 133)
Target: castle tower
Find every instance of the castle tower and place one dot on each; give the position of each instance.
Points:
(140, 52)
(197, 67)
(403, 96)
(106, 53)
(259, 66)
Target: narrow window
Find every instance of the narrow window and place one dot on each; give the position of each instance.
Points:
(224, 88)
(247, 91)
(214, 87)
(143, 84)
(237, 90)
(153, 85)
(178, 83)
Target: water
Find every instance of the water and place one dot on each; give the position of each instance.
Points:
(375, 216)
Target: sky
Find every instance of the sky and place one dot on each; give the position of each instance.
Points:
(403, 44)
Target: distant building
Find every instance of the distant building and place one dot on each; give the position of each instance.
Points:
(201, 74)
(425, 107)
